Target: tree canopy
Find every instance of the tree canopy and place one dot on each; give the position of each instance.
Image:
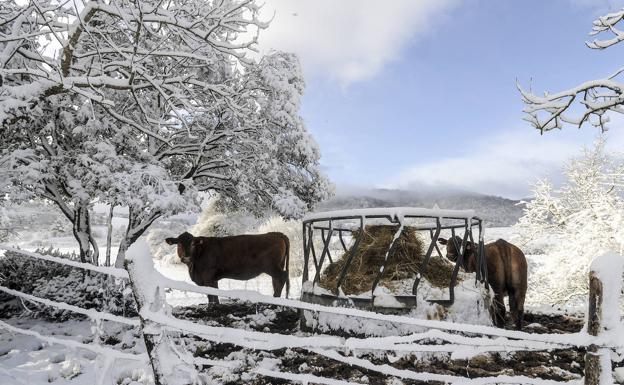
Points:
(146, 103)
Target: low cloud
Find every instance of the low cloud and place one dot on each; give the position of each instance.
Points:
(505, 165)
(348, 40)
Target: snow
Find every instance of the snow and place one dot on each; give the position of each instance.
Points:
(91, 313)
(609, 268)
(417, 333)
(119, 273)
(578, 339)
(422, 376)
(27, 359)
(392, 212)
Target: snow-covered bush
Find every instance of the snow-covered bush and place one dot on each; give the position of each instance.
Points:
(62, 283)
(60, 227)
(158, 248)
(292, 229)
(5, 225)
(218, 221)
(86, 290)
(580, 220)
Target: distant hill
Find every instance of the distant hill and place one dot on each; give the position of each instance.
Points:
(496, 211)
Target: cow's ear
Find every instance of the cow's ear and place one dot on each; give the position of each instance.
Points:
(442, 241)
(171, 241)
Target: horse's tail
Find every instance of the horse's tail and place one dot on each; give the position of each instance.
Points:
(287, 241)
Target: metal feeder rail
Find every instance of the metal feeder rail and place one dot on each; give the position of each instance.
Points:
(328, 224)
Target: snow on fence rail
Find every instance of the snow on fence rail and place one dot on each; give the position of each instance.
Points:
(112, 271)
(152, 285)
(171, 364)
(567, 340)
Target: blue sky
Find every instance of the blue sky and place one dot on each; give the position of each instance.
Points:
(423, 93)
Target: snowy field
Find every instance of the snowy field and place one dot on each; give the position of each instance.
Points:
(28, 360)
(32, 239)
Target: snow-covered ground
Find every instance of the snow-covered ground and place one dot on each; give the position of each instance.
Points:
(27, 360)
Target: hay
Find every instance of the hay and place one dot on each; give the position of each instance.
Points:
(403, 264)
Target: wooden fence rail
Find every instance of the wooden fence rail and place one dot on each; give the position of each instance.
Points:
(172, 365)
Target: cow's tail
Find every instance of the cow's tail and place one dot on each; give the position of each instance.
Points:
(287, 241)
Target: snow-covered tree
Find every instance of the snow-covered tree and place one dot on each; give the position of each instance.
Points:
(145, 103)
(589, 101)
(582, 219)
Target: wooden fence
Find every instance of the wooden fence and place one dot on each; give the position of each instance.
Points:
(173, 364)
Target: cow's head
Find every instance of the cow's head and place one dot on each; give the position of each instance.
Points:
(185, 246)
(453, 246)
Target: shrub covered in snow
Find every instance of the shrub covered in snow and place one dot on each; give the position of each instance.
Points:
(217, 221)
(575, 223)
(292, 229)
(61, 283)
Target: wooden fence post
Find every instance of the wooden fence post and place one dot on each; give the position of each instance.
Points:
(605, 281)
(592, 357)
(166, 363)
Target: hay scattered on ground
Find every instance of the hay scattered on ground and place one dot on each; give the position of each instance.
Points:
(404, 263)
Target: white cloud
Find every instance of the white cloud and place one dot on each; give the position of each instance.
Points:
(349, 40)
(505, 165)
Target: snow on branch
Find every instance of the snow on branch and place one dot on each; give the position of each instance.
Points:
(588, 102)
(594, 99)
(607, 23)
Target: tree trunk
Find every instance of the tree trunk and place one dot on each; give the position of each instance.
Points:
(95, 257)
(136, 228)
(121, 253)
(167, 364)
(109, 235)
(82, 232)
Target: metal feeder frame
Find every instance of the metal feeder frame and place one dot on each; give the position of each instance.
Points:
(310, 227)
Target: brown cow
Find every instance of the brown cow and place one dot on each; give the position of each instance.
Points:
(506, 274)
(241, 257)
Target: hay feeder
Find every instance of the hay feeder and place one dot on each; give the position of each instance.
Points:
(416, 227)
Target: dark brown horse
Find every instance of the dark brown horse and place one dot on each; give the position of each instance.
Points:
(241, 257)
(506, 274)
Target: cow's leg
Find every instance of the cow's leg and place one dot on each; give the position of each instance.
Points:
(213, 298)
(499, 310)
(513, 305)
(519, 300)
(279, 280)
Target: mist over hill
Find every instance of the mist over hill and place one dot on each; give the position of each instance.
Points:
(496, 211)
